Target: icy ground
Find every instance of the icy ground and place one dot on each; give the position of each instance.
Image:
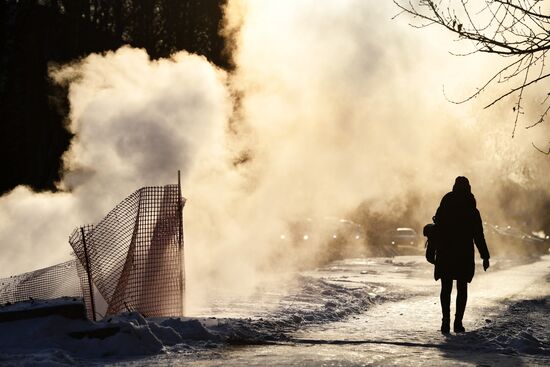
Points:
(375, 311)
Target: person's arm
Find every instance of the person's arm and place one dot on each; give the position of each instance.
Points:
(479, 240)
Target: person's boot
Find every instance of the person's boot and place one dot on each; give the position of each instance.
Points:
(457, 326)
(445, 325)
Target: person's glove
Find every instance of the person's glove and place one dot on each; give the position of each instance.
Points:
(485, 264)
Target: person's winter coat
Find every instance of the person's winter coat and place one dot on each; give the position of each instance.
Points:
(458, 225)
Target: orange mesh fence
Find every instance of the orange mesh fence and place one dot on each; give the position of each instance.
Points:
(52, 282)
(135, 254)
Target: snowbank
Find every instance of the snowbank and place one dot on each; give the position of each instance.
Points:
(63, 338)
(57, 340)
(521, 329)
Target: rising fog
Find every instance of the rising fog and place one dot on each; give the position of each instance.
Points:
(333, 109)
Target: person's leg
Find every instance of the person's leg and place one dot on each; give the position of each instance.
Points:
(461, 299)
(445, 298)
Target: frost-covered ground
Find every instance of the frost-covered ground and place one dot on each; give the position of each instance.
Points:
(353, 312)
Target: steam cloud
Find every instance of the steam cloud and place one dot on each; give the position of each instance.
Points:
(342, 114)
(137, 122)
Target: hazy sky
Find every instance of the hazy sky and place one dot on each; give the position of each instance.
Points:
(340, 105)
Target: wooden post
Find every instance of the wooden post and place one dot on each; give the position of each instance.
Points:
(180, 244)
(180, 214)
(88, 272)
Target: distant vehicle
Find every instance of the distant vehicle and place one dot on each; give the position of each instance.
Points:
(330, 230)
(510, 240)
(405, 241)
(298, 231)
(344, 229)
(541, 235)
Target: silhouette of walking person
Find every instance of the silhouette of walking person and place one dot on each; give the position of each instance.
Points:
(459, 226)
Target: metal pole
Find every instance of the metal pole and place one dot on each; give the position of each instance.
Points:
(88, 272)
(180, 244)
(180, 213)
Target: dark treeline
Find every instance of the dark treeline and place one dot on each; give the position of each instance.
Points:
(34, 34)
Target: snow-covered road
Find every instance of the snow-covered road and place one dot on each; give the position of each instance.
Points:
(371, 311)
(406, 332)
(507, 320)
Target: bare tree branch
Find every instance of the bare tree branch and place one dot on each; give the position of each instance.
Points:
(516, 89)
(518, 29)
(540, 150)
(526, 11)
